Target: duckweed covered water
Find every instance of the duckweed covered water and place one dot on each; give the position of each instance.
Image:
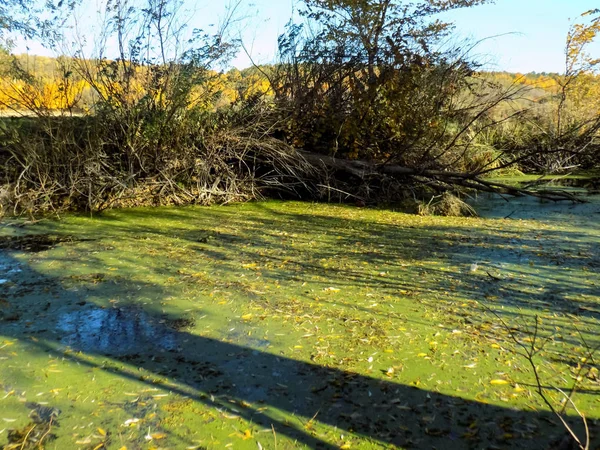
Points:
(294, 325)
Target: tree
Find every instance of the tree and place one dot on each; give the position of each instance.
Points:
(368, 78)
(13, 17)
(577, 114)
(377, 81)
(578, 62)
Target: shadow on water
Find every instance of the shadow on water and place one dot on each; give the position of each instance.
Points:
(219, 373)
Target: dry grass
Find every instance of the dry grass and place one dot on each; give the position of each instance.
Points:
(446, 204)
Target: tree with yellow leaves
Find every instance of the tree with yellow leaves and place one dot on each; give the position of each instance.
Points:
(579, 64)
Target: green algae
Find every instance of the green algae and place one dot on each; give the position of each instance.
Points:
(291, 325)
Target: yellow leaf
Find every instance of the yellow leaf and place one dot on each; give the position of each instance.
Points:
(247, 316)
(158, 435)
(247, 435)
(421, 355)
(498, 382)
(345, 447)
(102, 431)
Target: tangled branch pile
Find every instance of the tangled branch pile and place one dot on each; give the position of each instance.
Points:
(71, 163)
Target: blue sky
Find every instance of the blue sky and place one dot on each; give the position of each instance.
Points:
(537, 32)
(530, 34)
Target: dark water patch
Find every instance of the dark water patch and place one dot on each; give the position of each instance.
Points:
(180, 323)
(116, 331)
(11, 390)
(35, 242)
(88, 277)
(36, 434)
(242, 337)
(9, 268)
(42, 413)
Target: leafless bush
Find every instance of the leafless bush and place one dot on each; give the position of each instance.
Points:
(528, 342)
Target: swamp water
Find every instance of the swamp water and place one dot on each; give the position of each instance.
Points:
(293, 325)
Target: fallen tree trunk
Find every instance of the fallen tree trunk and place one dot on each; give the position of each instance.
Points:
(366, 171)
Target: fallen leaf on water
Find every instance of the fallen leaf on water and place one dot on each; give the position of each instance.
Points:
(130, 422)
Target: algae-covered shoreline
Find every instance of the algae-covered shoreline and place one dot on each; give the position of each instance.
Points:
(290, 325)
